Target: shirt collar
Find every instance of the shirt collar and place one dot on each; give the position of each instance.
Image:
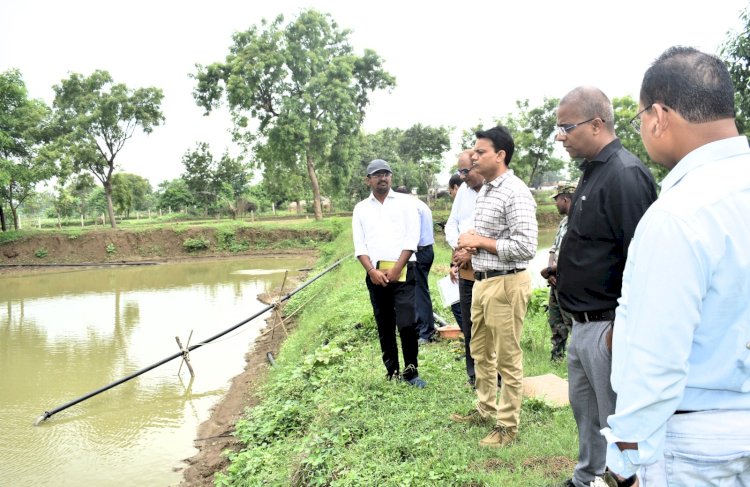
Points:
(705, 154)
(603, 155)
(499, 180)
(391, 194)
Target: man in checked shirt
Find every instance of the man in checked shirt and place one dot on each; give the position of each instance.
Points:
(503, 241)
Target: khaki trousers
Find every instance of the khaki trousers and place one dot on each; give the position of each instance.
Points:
(498, 307)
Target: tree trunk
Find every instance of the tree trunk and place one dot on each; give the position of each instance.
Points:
(110, 209)
(315, 186)
(14, 211)
(2, 219)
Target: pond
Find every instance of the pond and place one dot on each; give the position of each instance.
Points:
(68, 333)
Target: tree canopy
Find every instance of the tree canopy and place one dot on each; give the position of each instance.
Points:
(305, 90)
(96, 117)
(736, 54)
(24, 131)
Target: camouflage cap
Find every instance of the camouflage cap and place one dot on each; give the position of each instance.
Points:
(564, 188)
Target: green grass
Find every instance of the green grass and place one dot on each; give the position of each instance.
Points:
(329, 418)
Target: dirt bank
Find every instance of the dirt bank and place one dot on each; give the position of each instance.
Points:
(214, 436)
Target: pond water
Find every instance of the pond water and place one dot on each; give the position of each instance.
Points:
(66, 334)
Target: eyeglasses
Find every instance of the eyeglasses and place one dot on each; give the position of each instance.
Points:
(380, 175)
(464, 172)
(635, 122)
(566, 129)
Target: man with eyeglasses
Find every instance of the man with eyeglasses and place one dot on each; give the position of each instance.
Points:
(681, 345)
(503, 241)
(385, 229)
(461, 219)
(613, 193)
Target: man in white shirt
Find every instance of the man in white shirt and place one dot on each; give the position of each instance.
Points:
(385, 228)
(461, 219)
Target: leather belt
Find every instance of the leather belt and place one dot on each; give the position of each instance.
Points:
(422, 247)
(596, 315)
(479, 275)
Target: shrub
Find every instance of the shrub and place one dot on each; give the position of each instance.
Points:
(195, 244)
(111, 249)
(41, 253)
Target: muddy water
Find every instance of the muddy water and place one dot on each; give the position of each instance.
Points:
(65, 334)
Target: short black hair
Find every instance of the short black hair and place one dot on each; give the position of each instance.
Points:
(455, 180)
(501, 140)
(695, 84)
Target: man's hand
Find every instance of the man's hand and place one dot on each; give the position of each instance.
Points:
(454, 273)
(393, 274)
(469, 240)
(378, 277)
(462, 257)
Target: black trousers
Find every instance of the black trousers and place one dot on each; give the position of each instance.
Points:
(425, 318)
(465, 287)
(393, 307)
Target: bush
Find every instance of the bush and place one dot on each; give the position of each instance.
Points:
(41, 253)
(195, 244)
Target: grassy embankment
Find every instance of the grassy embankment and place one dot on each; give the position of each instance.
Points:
(328, 417)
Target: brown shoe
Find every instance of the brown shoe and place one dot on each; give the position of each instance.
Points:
(499, 437)
(472, 417)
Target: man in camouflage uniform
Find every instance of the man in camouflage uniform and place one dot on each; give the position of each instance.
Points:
(559, 321)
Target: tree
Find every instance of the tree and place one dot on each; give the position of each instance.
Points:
(625, 109)
(174, 194)
(130, 192)
(199, 175)
(96, 118)
(424, 147)
(534, 130)
(24, 130)
(305, 89)
(736, 54)
(80, 189)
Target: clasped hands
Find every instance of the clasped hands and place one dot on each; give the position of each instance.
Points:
(384, 277)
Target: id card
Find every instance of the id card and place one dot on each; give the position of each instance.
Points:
(388, 264)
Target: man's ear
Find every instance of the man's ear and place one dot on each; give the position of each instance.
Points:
(500, 157)
(662, 116)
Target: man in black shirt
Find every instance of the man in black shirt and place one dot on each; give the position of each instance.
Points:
(614, 192)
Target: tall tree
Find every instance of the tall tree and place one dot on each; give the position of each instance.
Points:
(24, 129)
(533, 130)
(736, 54)
(424, 147)
(304, 87)
(199, 175)
(97, 117)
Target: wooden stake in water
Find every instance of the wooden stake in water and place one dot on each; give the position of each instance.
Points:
(185, 355)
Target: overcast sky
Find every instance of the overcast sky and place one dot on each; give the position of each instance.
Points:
(455, 65)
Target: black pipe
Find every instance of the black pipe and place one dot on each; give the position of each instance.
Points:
(48, 414)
